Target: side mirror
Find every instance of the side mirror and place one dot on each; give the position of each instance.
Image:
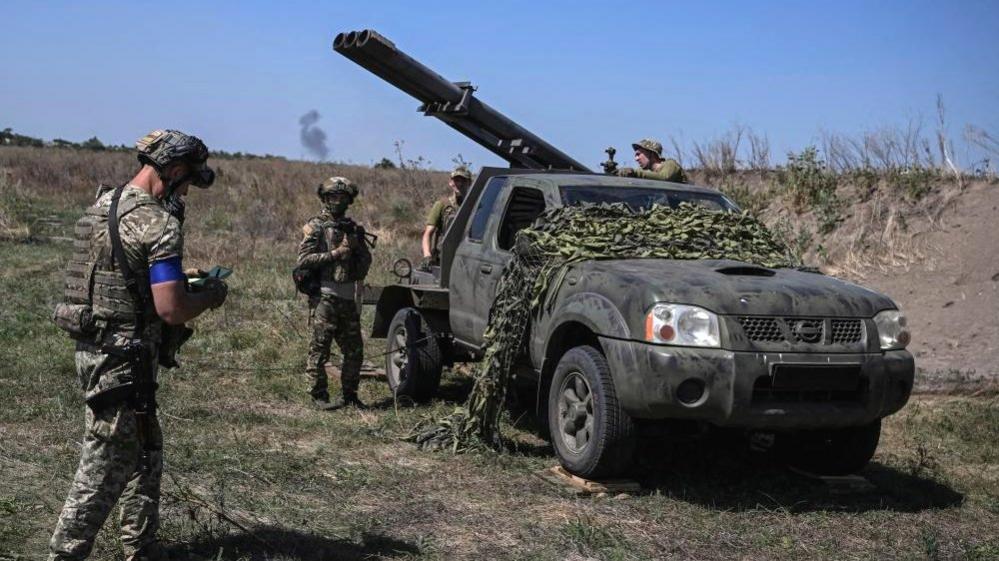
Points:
(402, 268)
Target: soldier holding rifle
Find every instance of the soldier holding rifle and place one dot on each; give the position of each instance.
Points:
(333, 257)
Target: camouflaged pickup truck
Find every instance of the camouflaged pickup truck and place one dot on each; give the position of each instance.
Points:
(802, 361)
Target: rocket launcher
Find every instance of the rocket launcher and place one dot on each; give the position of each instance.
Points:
(453, 103)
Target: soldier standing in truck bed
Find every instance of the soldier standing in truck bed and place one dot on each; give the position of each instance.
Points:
(441, 215)
(652, 165)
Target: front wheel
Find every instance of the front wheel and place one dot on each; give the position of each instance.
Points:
(831, 451)
(592, 435)
(414, 359)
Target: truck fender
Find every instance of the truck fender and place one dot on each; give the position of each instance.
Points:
(591, 310)
(432, 304)
(392, 299)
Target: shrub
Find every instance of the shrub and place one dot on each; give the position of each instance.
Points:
(755, 199)
(913, 182)
(385, 163)
(811, 185)
(797, 242)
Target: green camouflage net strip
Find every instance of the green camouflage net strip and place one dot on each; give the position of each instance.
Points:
(543, 255)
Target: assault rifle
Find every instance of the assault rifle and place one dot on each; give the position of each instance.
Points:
(307, 281)
(351, 228)
(453, 103)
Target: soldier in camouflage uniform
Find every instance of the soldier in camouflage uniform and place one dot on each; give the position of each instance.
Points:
(332, 245)
(109, 318)
(649, 157)
(441, 215)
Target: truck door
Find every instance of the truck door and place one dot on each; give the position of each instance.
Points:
(486, 249)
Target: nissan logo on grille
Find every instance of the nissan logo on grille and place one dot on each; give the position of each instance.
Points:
(808, 331)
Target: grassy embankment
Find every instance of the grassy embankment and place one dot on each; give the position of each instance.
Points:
(253, 473)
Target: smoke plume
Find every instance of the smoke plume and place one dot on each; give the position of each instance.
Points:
(313, 137)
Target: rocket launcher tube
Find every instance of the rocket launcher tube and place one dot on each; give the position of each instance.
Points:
(452, 103)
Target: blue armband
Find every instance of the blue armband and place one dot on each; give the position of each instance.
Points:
(166, 270)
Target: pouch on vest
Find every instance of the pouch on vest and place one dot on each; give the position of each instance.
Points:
(75, 319)
(307, 281)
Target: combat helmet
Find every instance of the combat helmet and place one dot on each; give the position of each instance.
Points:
(160, 148)
(650, 144)
(462, 171)
(337, 184)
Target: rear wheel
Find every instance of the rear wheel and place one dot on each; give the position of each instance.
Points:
(831, 451)
(414, 359)
(592, 435)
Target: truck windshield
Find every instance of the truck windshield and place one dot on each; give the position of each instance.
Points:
(642, 198)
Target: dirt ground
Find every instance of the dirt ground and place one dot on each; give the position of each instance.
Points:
(951, 296)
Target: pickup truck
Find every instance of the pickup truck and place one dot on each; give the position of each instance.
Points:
(806, 361)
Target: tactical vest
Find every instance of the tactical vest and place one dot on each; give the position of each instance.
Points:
(92, 279)
(330, 238)
(352, 269)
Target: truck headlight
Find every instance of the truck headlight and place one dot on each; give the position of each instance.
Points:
(892, 331)
(679, 324)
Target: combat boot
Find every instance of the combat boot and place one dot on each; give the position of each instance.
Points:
(352, 399)
(349, 398)
(322, 403)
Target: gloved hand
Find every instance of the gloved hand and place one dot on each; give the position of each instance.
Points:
(424, 264)
(218, 290)
(342, 251)
(626, 172)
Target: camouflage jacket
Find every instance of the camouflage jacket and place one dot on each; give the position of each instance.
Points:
(666, 170)
(320, 235)
(148, 234)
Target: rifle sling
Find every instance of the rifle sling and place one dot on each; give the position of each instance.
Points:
(119, 258)
(136, 352)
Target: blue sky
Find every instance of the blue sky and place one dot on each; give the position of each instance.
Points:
(582, 75)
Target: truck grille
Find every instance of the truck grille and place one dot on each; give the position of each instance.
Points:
(847, 331)
(802, 330)
(761, 329)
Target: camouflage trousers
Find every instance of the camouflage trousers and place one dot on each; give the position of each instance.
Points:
(108, 473)
(335, 319)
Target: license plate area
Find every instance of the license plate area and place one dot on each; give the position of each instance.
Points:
(818, 377)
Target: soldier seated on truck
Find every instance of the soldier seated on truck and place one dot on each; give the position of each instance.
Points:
(652, 165)
(441, 215)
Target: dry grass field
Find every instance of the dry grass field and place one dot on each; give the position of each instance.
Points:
(253, 473)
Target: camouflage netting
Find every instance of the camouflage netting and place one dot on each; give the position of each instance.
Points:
(542, 256)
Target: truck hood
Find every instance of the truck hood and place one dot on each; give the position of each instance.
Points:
(732, 287)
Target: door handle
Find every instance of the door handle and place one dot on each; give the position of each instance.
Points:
(486, 269)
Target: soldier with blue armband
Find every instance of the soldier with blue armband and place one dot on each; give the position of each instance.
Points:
(126, 287)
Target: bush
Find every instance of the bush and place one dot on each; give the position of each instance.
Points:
(797, 242)
(10, 138)
(754, 199)
(913, 182)
(811, 185)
